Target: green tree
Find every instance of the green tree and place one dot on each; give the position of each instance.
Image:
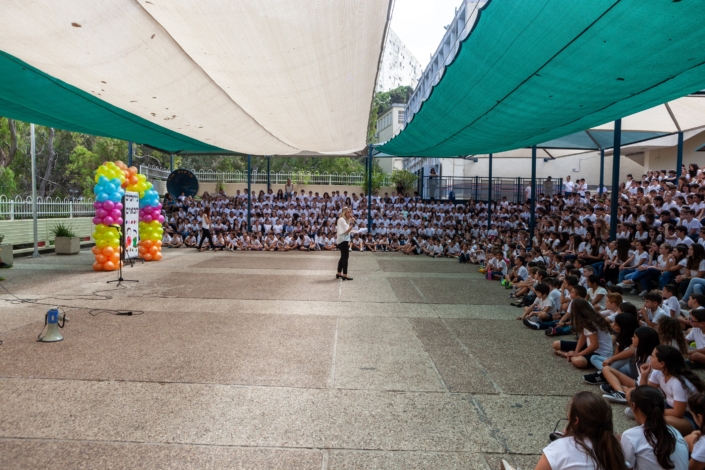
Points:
(377, 180)
(381, 102)
(8, 186)
(81, 169)
(407, 179)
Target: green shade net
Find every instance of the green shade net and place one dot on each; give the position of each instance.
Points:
(534, 71)
(30, 95)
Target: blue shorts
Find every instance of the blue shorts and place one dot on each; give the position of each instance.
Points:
(688, 416)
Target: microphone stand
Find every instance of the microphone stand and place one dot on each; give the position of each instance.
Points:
(122, 251)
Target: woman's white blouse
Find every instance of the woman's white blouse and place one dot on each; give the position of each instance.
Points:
(342, 227)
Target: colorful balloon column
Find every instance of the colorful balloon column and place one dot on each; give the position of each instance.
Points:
(112, 179)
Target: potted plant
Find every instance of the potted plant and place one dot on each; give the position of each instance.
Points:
(6, 257)
(66, 242)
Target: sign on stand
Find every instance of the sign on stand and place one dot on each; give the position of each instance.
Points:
(132, 224)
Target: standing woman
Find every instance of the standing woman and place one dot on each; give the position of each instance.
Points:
(206, 226)
(344, 227)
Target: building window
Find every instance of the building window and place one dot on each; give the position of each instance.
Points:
(400, 117)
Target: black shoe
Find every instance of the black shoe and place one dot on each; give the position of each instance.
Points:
(555, 435)
(616, 397)
(345, 278)
(4, 265)
(530, 324)
(607, 388)
(338, 276)
(594, 379)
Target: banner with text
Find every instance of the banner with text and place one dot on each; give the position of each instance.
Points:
(132, 223)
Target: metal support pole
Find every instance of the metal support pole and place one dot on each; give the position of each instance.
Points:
(249, 192)
(602, 171)
(130, 153)
(33, 149)
(171, 163)
(532, 205)
(269, 169)
(369, 188)
(489, 198)
(615, 178)
(679, 159)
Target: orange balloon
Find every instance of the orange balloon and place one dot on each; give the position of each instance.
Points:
(97, 266)
(115, 259)
(121, 249)
(133, 180)
(158, 256)
(96, 251)
(101, 258)
(148, 244)
(132, 170)
(147, 257)
(108, 251)
(142, 250)
(158, 243)
(108, 266)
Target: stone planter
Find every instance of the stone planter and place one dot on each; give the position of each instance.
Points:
(67, 246)
(6, 254)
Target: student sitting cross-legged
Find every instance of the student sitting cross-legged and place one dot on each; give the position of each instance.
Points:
(595, 338)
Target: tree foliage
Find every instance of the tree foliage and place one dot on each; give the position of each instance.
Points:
(381, 102)
(407, 179)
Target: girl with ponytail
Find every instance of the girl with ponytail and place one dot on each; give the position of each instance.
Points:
(654, 444)
(589, 441)
(695, 441)
(669, 373)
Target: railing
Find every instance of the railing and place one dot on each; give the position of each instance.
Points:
(260, 177)
(47, 208)
(477, 188)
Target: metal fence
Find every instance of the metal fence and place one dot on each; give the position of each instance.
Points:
(477, 188)
(260, 177)
(47, 208)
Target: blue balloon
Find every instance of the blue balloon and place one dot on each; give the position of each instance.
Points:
(116, 182)
(110, 188)
(116, 197)
(102, 197)
(102, 179)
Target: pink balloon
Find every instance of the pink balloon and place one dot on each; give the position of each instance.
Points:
(108, 220)
(147, 218)
(98, 205)
(108, 205)
(156, 214)
(117, 205)
(158, 207)
(101, 213)
(97, 220)
(115, 214)
(161, 219)
(118, 221)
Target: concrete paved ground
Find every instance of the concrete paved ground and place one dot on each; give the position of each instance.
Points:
(264, 360)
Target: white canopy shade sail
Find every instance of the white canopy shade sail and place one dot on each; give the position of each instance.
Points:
(272, 77)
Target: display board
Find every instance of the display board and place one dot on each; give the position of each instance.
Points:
(131, 226)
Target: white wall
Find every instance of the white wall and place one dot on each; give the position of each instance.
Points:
(588, 165)
(665, 158)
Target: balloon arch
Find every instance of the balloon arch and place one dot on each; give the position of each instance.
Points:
(112, 179)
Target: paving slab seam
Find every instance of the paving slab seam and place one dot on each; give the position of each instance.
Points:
(325, 454)
(430, 357)
(331, 381)
(171, 443)
(494, 432)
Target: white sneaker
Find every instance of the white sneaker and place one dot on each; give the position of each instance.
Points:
(629, 413)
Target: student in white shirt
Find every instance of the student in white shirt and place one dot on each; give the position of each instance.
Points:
(595, 338)
(596, 293)
(696, 444)
(669, 373)
(589, 442)
(670, 302)
(653, 444)
(695, 334)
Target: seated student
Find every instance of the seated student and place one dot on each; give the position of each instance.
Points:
(670, 302)
(619, 384)
(437, 249)
(477, 255)
(383, 243)
(589, 441)
(166, 240)
(357, 243)
(464, 255)
(394, 245)
(595, 338)
(543, 309)
(453, 249)
(696, 356)
(654, 443)
(624, 326)
(521, 289)
(256, 244)
(330, 244)
(696, 444)
(596, 292)
(566, 287)
(270, 243)
(496, 266)
(669, 373)
(190, 241)
(612, 304)
(244, 243)
(306, 242)
(370, 244)
(219, 242)
(281, 244)
(671, 334)
(652, 311)
(519, 273)
(176, 241)
(694, 302)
